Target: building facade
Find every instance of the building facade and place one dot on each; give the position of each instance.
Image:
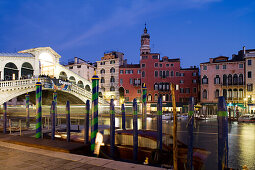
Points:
(222, 77)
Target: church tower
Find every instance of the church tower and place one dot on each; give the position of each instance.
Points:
(145, 42)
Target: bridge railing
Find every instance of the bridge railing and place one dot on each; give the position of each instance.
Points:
(18, 83)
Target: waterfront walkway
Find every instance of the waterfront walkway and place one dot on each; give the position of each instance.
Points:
(13, 156)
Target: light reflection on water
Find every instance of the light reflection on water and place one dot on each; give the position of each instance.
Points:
(241, 135)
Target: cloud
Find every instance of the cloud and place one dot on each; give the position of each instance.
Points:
(124, 16)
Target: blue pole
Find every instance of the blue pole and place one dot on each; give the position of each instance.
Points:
(5, 117)
(55, 100)
(190, 133)
(159, 124)
(123, 117)
(86, 123)
(68, 127)
(38, 94)
(27, 110)
(135, 131)
(144, 106)
(53, 120)
(222, 133)
(112, 128)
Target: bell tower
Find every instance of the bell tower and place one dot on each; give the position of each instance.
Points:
(145, 42)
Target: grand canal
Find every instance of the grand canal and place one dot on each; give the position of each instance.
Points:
(241, 135)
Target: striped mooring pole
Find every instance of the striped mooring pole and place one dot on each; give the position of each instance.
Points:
(94, 121)
(159, 123)
(53, 120)
(38, 94)
(55, 100)
(144, 109)
(112, 128)
(27, 110)
(5, 116)
(222, 133)
(86, 123)
(123, 117)
(190, 133)
(68, 123)
(135, 131)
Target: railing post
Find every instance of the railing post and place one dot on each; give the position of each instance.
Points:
(144, 109)
(86, 123)
(159, 123)
(112, 128)
(135, 131)
(68, 121)
(94, 122)
(27, 110)
(4, 116)
(38, 87)
(190, 133)
(53, 123)
(222, 133)
(123, 117)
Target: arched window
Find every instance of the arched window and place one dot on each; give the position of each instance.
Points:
(102, 80)
(112, 80)
(240, 94)
(80, 84)
(72, 79)
(156, 97)
(62, 76)
(143, 74)
(235, 93)
(204, 80)
(217, 93)
(112, 70)
(229, 79)
(229, 94)
(26, 70)
(235, 79)
(112, 88)
(225, 79)
(205, 94)
(167, 73)
(11, 72)
(149, 98)
(155, 86)
(87, 87)
(102, 71)
(225, 94)
(167, 97)
(217, 79)
(240, 79)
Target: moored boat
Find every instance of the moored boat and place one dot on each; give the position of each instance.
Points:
(247, 118)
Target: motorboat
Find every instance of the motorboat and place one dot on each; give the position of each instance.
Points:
(167, 116)
(247, 118)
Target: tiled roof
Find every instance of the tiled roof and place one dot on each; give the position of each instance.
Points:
(130, 66)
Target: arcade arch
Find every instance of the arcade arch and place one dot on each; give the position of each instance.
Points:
(11, 71)
(27, 70)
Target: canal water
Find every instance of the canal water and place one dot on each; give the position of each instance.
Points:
(241, 135)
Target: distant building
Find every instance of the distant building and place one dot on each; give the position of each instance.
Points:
(108, 72)
(222, 77)
(158, 74)
(82, 68)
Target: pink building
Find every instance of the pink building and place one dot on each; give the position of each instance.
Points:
(222, 77)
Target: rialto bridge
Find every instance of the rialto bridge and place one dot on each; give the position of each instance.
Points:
(20, 71)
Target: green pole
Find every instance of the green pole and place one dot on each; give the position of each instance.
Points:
(38, 87)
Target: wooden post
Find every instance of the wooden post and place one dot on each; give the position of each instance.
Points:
(175, 148)
(20, 127)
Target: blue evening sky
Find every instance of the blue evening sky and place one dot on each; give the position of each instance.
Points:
(193, 30)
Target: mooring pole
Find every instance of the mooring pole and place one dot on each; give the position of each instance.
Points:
(159, 123)
(94, 122)
(55, 100)
(144, 109)
(38, 87)
(5, 116)
(135, 131)
(27, 110)
(190, 133)
(68, 127)
(175, 147)
(86, 123)
(112, 128)
(53, 121)
(222, 133)
(123, 117)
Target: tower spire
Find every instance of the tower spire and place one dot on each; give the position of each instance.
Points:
(145, 42)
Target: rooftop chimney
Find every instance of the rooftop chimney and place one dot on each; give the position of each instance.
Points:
(244, 50)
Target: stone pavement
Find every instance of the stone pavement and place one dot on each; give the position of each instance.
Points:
(14, 157)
